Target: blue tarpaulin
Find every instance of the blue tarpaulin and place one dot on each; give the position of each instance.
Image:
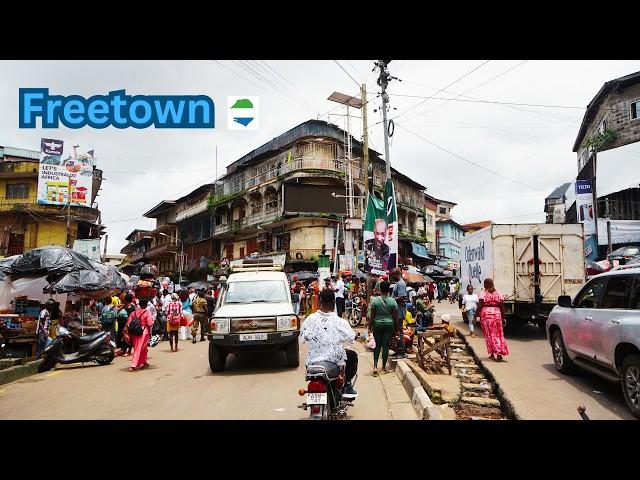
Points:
(419, 250)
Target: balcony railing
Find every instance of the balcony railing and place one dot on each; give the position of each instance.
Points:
(163, 248)
(242, 182)
(245, 223)
(30, 203)
(193, 210)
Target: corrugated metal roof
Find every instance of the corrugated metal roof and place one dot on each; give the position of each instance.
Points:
(593, 107)
(20, 152)
(559, 192)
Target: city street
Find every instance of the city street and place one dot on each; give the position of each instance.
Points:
(180, 386)
(536, 389)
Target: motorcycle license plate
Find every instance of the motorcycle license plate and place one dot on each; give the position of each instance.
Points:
(316, 398)
(246, 337)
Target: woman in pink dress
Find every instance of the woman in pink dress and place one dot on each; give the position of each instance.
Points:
(491, 312)
(141, 342)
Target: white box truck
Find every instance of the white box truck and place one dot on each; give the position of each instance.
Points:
(530, 264)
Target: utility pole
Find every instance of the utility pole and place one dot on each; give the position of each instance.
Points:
(595, 201)
(383, 81)
(608, 215)
(365, 141)
(106, 239)
(69, 244)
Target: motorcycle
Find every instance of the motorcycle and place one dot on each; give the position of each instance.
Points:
(325, 392)
(68, 348)
(354, 311)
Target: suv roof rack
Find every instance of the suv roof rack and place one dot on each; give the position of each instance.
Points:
(257, 265)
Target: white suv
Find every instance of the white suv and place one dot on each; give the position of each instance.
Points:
(599, 331)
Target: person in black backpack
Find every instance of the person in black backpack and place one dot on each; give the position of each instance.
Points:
(108, 317)
(123, 316)
(139, 331)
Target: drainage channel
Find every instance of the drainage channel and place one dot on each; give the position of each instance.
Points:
(478, 400)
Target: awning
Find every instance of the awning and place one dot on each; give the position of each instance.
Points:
(419, 250)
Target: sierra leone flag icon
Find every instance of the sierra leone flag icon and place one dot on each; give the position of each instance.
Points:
(243, 113)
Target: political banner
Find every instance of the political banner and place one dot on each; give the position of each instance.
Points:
(380, 233)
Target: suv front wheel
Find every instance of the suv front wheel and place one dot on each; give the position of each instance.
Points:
(560, 357)
(631, 383)
(217, 358)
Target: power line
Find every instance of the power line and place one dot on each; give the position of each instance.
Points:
(452, 83)
(475, 87)
(455, 99)
(345, 71)
(467, 160)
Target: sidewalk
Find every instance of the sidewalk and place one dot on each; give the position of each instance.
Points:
(529, 382)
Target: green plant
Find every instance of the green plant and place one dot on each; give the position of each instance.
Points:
(601, 140)
(313, 258)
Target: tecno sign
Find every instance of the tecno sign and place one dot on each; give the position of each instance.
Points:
(115, 109)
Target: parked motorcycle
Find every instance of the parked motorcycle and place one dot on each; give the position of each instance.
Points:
(354, 311)
(68, 348)
(325, 392)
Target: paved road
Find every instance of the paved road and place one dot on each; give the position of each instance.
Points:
(180, 386)
(536, 388)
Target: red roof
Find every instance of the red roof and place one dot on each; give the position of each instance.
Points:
(477, 225)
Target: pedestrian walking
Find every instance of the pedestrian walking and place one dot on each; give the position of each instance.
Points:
(140, 342)
(469, 306)
(125, 311)
(174, 317)
(44, 322)
(200, 316)
(339, 289)
(108, 317)
(491, 312)
(187, 313)
(382, 315)
(399, 293)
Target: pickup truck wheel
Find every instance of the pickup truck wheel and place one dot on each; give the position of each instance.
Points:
(560, 357)
(293, 353)
(217, 358)
(631, 383)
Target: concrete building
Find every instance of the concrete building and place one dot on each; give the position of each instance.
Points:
(450, 234)
(612, 120)
(25, 224)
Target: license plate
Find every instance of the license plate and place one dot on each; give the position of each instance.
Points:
(246, 337)
(316, 398)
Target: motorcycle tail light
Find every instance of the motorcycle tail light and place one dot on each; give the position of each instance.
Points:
(340, 380)
(316, 386)
(315, 409)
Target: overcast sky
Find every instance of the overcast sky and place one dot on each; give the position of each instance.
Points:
(531, 146)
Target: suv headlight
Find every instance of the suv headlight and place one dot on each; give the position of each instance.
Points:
(288, 322)
(220, 325)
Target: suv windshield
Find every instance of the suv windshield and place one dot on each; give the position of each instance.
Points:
(267, 291)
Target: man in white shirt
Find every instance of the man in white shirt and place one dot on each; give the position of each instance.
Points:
(339, 289)
(470, 302)
(325, 333)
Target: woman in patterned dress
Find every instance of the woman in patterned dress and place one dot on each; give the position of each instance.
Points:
(491, 312)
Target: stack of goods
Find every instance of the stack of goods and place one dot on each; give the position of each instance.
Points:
(147, 286)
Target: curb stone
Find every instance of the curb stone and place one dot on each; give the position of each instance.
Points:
(420, 401)
(19, 371)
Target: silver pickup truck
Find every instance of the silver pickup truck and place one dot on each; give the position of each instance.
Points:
(599, 331)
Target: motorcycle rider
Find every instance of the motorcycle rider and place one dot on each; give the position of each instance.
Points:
(325, 333)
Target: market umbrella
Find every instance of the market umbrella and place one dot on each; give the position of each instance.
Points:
(6, 263)
(50, 258)
(414, 277)
(79, 281)
(114, 280)
(199, 285)
(303, 275)
(592, 268)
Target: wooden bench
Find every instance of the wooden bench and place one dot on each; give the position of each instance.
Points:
(441, 346)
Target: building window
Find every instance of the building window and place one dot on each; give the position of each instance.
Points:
(441, 232)
(442, 252)
(443, 210)
(635, 110)
(17, 190)
(429, 219)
